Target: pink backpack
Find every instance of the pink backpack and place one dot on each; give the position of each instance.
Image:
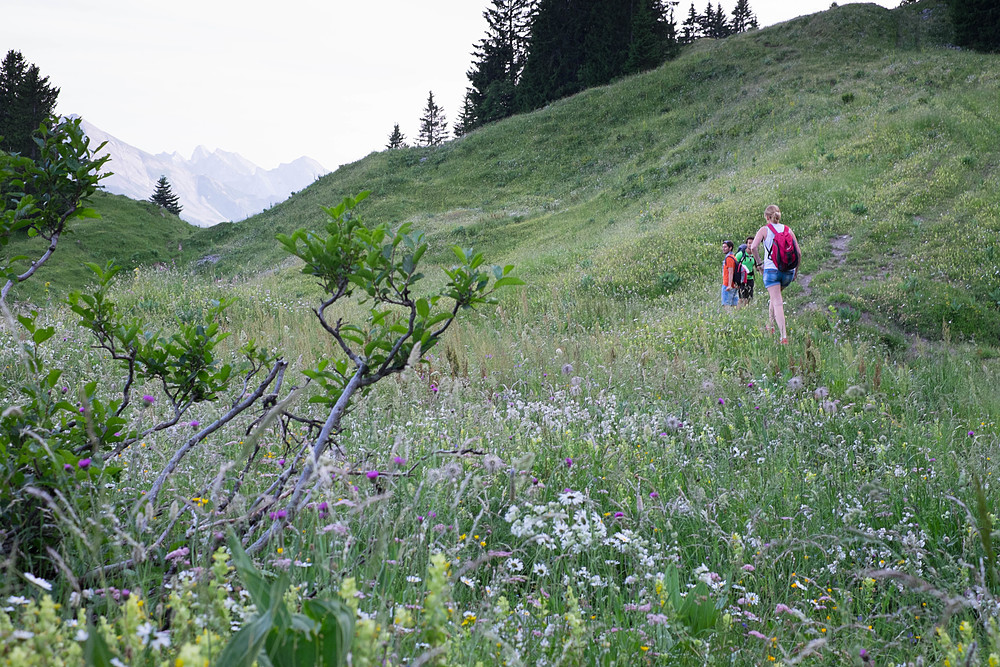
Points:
(783, 252)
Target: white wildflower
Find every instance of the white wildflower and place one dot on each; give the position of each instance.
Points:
(38, 581)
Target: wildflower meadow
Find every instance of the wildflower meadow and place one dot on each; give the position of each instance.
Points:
(388, 449)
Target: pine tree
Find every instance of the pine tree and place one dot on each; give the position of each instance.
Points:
(433, 126)
(499, 60)
(397, 139)
(977, 24)
(164, 198)
(690, 28)
(722, 27)
(575, 44)
(467, 121)
(26, 100)
(743, 17)
(706, 22)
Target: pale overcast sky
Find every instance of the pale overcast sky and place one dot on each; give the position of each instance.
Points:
(272, 81)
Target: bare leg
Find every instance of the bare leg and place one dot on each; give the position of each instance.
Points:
(776, 308)
(770, 313)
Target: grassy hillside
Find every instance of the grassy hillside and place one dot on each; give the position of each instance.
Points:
(886, 137)
(129, 232)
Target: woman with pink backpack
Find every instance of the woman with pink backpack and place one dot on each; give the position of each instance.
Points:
(781, 261)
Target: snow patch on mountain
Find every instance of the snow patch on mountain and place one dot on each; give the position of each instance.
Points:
(213, 186)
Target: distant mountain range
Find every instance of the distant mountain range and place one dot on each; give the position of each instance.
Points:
(213, 186)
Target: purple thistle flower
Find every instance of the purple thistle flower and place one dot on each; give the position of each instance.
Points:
(195, 423)
(722, 401)
(372, 475)
(864, 655)
(972, 433)
(569, 462)
(67, 467)
(84, 464)
(619, 515)
(148, 400)
(281, 514)
(749, 385)
(399, 460)
(654, 494)
(420, 519)
(126, 593)
(281, 462)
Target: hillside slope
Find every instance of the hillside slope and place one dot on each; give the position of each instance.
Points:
(858, 121)
(129, 232)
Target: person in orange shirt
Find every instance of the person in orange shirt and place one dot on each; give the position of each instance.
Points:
(730, 294)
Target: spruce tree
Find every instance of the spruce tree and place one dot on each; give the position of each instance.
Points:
(397, 139)
(467, 120)
(433, 126)
(977, 24)
(499, 60)
(706, 22)
(722, 27)
(743, 17)
(164, 197)
(691, 27)
(26, 100)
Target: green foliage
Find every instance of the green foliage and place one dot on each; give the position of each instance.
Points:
(383, 266)
(44, 195)
(320, 635)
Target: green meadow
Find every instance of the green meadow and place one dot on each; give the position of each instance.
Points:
(601, 467)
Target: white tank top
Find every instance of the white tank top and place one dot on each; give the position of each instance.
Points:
(768, 242)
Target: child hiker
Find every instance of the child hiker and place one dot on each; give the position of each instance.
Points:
(730, 295)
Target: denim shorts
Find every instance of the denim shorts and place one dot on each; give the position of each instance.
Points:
(730, 297)
(776, 277)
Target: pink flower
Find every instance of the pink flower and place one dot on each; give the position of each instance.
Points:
(372, 475)
(758, 635)
(748, 568)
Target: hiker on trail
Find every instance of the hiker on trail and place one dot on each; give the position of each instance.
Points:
(730, 295)
(745, 259)
(781, 260)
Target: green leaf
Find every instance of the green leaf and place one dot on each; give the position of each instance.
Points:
(245, 646)
(508, 280)
(423, 309)
(95, 650)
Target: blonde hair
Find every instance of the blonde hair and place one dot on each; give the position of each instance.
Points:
(774, 212)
